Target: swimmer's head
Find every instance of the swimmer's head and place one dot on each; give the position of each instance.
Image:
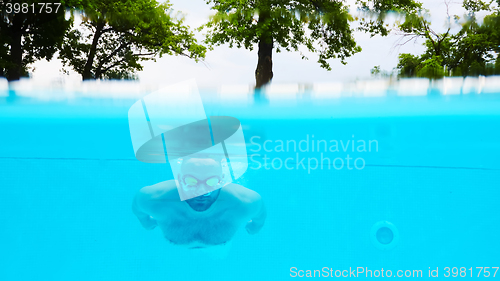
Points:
(202, 174)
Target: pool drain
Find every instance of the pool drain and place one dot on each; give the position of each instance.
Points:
(384, 235)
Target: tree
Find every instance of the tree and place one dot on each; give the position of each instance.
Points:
(416, 25)
(375, 71)
(116, 35)
(322, 26)
(408, 65)
(431, 68)
(475, 47)
(4, 54)
(471, 51)
(29, 30)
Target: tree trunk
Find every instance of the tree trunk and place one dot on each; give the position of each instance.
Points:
(264, 71)
(15, 71)
(87, 70)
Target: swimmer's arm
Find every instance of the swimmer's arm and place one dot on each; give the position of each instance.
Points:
(259, 215)
(145, 219)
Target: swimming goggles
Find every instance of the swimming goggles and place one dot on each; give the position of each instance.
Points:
(192, 181)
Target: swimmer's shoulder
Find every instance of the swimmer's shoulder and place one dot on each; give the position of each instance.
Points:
(247, 201)
(165, 190)
(241, 194)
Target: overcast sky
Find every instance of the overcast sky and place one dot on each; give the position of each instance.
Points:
(237, 66)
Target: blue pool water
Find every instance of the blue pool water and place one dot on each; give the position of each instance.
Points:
(426, 195)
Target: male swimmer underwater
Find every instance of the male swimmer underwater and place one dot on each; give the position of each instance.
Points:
(204, 221)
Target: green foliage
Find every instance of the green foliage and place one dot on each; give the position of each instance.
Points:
(116, 35)
(491, 26)
(408, 65)
(26, 36)
(497, 66)
(413, 66)
(322, 26)
(474, 6)
(431, 68)
(375, 71)
(470, 52)
(120, 75)
(474, 46)
(376, 11)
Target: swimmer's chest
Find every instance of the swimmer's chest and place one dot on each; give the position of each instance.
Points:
(215, 229)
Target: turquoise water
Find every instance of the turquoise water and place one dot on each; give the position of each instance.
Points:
(68, 176)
